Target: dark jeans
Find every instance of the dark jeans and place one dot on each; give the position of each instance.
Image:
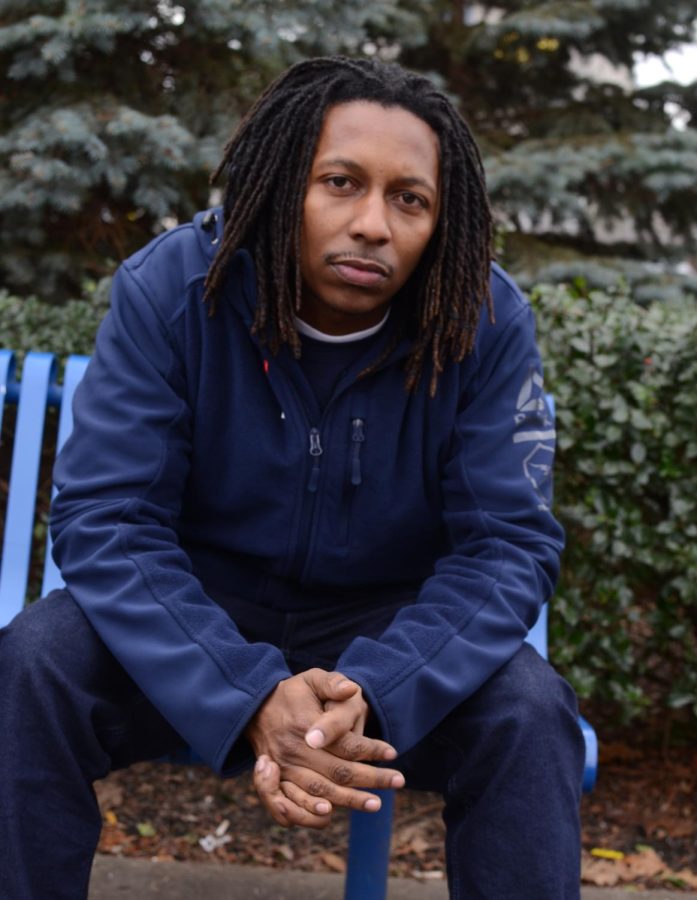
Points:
(508, 763)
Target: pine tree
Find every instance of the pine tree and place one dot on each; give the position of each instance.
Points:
(112, 114)
(589, 175)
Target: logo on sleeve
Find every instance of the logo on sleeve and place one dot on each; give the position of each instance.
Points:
(534, 426)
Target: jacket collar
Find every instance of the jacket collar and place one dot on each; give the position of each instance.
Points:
(209, 230)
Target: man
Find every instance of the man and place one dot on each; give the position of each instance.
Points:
(303, 517)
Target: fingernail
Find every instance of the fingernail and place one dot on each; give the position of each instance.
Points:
(261, 765)
(315, 738)
(344, 684)
(390, 753)
(397, 781)
(372, 805)
(322, 808)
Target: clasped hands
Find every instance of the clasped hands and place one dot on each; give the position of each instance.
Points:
(312, 754)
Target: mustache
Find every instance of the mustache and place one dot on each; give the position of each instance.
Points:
(370, 258)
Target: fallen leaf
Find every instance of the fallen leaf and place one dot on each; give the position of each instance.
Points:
(645, 864)
(601, 872)
(109, 794)
(603, 853)
(145, 829)
(684, 876)
(418, 845)
(212, 842)
(222, 828)
(113, 840)
(407, 833)
(333, 861)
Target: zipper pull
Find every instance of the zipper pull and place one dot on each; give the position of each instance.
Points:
(357, 437)
(316, 451)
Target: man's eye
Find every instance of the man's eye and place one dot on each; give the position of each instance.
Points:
(338, 181)
(413, 200)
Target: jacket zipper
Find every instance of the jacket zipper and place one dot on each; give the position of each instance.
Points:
(357, 439)
(315, 452)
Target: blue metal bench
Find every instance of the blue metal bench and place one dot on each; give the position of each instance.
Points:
(369, 843)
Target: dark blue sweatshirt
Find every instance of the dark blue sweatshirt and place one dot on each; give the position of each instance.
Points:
(201, 468)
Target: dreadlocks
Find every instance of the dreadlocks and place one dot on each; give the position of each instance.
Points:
(267, 164)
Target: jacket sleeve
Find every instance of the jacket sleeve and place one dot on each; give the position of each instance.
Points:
(473, 613)
(120, 480)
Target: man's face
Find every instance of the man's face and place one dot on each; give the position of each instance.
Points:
(371, 207)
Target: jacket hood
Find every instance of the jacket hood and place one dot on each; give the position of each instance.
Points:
(208, 227)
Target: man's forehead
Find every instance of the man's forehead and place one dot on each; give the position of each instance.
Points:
(362, 131)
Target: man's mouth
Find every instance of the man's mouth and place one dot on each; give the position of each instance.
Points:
(362, 272)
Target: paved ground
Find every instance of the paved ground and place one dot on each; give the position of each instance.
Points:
(118, 879)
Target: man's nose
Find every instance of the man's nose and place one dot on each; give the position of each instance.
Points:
(370, 219)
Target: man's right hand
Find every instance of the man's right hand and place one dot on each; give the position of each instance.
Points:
(298, 783)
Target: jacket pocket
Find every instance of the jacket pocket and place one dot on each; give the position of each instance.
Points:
(354, 478)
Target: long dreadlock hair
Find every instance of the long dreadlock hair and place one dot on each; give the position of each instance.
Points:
(267, 163)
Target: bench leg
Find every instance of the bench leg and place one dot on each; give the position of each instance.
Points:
(369, 852)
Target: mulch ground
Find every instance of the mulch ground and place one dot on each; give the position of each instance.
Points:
(639, 824)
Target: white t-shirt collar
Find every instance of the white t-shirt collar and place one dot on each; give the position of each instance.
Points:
(309, 331)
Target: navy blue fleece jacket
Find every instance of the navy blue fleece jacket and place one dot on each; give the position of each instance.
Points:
(201, 467)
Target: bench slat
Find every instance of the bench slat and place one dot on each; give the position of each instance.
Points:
(37, 376)
(74, 370)
(7, 379)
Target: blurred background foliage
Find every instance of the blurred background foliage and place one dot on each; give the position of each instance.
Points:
(113, 114)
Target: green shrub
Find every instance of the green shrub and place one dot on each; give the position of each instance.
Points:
(28, 323)
(624, 377)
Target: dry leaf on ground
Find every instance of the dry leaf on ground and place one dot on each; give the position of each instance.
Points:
(333, 861)
(642, 797)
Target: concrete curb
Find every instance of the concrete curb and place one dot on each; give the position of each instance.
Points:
(117, 878)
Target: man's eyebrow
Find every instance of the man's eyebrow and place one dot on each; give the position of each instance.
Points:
(415, 181)
(353, 166)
